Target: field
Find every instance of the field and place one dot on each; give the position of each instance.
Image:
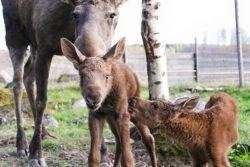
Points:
(72, 143)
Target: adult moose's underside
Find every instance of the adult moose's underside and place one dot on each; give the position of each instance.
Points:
(40, 24)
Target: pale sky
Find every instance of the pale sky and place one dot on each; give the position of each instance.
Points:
(180, 20)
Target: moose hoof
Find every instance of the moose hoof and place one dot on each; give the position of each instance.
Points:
(37, 163)
(22, 153)
(106, 164)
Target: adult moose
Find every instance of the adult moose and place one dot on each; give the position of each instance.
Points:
(40, 24)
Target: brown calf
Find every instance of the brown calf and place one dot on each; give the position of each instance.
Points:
(106, 85)
(207, 134)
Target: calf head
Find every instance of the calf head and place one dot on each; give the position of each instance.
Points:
(95, 22)
(95, 72)
(155, 112)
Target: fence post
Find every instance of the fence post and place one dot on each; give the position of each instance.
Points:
(196, 72)
(239, 46)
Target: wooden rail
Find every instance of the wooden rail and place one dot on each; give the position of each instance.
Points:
(202, 67)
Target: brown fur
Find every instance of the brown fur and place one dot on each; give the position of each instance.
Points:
(207, 134)
(106, 85)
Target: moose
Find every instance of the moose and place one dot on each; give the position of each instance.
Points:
(106, 84)
(207, 134)
(40, 24)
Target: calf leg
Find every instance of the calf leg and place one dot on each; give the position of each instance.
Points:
(17, 58)
(149, 142)
(123, 124)
(221, 161)
(114, 128)
(104, 154)
(42, 66)
(95, 127)
(198, 159)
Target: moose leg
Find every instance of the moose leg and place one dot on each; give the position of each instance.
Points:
(198, 159)
(123, 124)
(29, 78)
(149, 142)
(115, 130)
(42, 66)
(96, 124)
(17, 58)
(220, 161)
(105, 161)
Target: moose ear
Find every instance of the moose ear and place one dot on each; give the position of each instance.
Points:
(187, 102)
(71, 2)
(115, 52)
(118, 2)
(71, 52)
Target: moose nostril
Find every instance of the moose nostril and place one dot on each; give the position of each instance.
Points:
(92, 101)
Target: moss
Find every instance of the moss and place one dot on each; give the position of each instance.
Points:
(166, 147)
(6, 98)
(51, 145)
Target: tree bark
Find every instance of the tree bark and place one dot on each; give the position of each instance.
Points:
(154, 49)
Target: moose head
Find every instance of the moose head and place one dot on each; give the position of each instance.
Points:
(95, 22)
(95, 72)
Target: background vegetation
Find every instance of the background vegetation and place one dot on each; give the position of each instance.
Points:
(72, 143)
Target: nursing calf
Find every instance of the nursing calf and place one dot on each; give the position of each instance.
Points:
(207, 134)
(106, 85)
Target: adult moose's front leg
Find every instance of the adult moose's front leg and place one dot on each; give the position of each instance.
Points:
(17, 58)
(123, 124)
(29, 79)
(96, 124)
(42, 66)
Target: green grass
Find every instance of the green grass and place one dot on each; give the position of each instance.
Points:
(73, 134)
(76, 119)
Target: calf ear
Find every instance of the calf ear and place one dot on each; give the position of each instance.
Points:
(71, 2)
(118, 2)
(187, 102)
(71, 52)
(115, 52)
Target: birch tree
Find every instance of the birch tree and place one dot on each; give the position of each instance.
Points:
(154, 49)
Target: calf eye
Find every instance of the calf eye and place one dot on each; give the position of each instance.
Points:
(154, 106)
(107, 77)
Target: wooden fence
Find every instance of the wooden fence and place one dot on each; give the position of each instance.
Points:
(211, 68)
(205, 67)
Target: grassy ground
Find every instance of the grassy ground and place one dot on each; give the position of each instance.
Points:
(72, 143)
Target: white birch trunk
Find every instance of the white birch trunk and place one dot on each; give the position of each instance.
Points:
(154, 48)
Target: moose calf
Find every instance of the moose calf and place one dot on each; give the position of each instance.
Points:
(207, 134)
(106, 85)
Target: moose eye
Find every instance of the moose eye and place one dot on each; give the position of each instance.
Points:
(92, 2)
(107, 77)
(112, 15)
(154, 106)
(76, 15)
